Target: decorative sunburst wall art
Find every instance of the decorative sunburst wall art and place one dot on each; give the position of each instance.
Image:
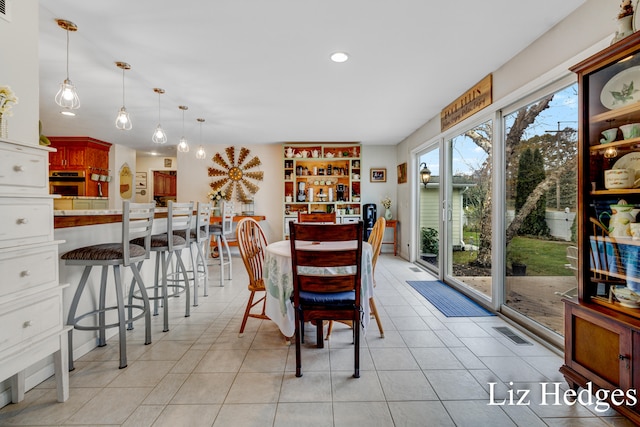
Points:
(235, 176)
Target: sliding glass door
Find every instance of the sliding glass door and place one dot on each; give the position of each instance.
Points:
(467, 209)
(541, 187)
(429, 212)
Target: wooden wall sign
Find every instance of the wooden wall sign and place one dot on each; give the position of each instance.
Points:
(472, 101)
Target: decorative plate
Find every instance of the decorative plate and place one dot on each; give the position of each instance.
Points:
(623, 89)
(630, 160)
(626, 296)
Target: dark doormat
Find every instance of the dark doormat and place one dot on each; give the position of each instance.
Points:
(449, 301)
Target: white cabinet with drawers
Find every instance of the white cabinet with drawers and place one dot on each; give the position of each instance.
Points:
(31, 305)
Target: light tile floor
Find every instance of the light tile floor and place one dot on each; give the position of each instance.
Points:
(428, 370)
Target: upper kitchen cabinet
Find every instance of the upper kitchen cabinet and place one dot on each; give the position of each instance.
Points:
(82, 153)
(79, 153)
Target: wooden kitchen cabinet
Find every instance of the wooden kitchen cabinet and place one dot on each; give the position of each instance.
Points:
(164, 184)
(82, 153)
(67, 158)
(602, 325)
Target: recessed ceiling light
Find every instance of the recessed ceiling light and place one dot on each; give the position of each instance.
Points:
(67, 113)
(339, 56)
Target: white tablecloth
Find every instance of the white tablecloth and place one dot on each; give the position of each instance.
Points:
(278, 278)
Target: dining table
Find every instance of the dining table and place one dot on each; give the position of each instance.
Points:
(278, 280)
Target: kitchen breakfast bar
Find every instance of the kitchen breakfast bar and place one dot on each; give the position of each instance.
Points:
(80, 228)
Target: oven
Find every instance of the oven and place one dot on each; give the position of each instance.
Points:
(67, 183)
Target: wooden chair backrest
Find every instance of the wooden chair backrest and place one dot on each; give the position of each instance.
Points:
(252, 243)
(375, 239)
(319, 218)
(307, 262)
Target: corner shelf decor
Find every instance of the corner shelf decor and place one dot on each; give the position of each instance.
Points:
(321, 177)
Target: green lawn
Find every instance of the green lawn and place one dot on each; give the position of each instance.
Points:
(542, 257)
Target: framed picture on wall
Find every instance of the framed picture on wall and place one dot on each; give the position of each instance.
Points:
(167, 163)
(141, 180)
(378, 175)
(402, 173)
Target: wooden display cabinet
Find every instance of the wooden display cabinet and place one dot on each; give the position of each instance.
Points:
(331, 171)
(602, 331)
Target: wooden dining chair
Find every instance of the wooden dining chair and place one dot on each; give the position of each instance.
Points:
(318, 218)
(375, 240)
(252, 244)
(317, 296)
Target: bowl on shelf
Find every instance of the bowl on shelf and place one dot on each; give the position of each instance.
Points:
(632, 130)
(609, 135)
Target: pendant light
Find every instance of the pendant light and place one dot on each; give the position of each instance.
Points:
(67, 97)
(183, 145)
(159, 137)
(123, 122)
(200, 154)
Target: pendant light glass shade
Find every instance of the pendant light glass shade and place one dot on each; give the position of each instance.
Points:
(123, 122)
(67, 96)
(200, 154)
(159, 137)
(183, 145)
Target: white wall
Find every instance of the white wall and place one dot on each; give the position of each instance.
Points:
(19, 69)
(118, 156)
(576, 37)
(193, 180)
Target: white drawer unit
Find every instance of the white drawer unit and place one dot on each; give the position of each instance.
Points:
(26, 320)
(31, 305)
(25, 221)
(24, 270)
(23, 169)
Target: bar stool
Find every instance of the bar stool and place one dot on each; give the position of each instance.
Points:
(137, 220)
(200, 239)
(220, 232)
(165, 245)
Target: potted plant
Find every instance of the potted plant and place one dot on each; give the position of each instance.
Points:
(429, 244)
(518, 267)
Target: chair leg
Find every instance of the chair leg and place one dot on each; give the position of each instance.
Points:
(181, 266)
(145, 300)
(221, 258)
(71, 321)
(121, 317)
(374, 311)
(201, 251)
(134, 281)
(102, 340)
(329, 329)
(226, 246)
(165, 291)
(156, 282)
(356, 355)
(319, 333)
(193, 257)
(246, 312)
(298, 336)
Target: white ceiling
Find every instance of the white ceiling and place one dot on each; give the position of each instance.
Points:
(259, 71)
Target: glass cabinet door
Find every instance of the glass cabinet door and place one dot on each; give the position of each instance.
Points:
(610, 152)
